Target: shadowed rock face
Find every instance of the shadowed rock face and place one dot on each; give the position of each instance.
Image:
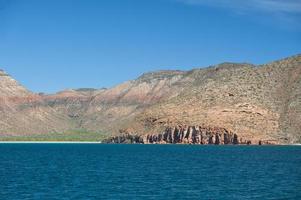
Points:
(182, 135)
(258, 103)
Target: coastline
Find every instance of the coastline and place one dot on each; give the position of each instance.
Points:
(47, 142)
(91, 142)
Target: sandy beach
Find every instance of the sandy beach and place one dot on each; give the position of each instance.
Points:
(50, 142)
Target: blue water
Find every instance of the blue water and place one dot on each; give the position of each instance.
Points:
(98, 171)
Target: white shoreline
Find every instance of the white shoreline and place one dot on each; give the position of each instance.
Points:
(49, 142)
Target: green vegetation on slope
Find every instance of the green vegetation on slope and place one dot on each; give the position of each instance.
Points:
(74, 135)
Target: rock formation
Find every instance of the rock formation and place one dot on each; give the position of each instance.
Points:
(182, 135)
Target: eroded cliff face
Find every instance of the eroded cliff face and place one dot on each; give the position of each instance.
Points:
(254, 102)
(187, 135)
(182, 135)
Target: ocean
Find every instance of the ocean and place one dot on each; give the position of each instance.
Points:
(119, 171)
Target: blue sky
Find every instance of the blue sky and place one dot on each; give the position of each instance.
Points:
(51, 45)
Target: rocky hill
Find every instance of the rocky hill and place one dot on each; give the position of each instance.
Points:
(254, 102)
(10, 88)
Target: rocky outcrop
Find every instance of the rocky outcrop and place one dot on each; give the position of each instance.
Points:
(182, 135)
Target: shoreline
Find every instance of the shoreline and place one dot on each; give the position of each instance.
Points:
(91, 142)
(48, 142)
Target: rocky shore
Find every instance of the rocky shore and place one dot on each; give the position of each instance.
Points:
(182, 135)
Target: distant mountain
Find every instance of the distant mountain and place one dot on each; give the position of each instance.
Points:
(256, 102)
(11, 88)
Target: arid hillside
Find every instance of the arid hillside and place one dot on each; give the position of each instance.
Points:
(255, 102)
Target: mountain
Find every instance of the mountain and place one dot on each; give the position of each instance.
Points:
(11, 88)
(255, 102)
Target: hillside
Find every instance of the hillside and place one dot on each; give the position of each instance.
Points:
(256, 102)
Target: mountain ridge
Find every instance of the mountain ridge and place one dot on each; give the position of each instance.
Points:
(258, 102)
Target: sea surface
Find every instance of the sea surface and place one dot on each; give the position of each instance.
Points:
(101, 171)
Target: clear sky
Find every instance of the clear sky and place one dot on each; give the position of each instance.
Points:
(51, 45)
